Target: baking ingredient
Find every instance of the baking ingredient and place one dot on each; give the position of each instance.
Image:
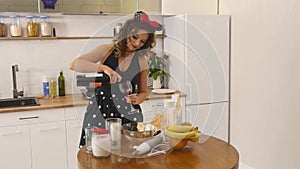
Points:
(179, 136)
(188, 134)
(101, 145)
(2, 30)
(61, 84)
(46, 27)
(2, 27)
(15, 27)
(182, 129)
(32, 27)
(115, 130)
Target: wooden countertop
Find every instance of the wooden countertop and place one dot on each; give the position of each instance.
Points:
(212, 153)
(71, 101)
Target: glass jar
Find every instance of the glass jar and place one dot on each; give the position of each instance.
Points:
(46, 27)
(2, 27)
(101, 142)
(32, 26)
(15, 27)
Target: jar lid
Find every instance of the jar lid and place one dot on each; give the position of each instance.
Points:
(99, 130)
(44, 16)
(30, 16)
(14, 16)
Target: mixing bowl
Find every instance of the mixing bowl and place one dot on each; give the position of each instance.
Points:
(138, 130)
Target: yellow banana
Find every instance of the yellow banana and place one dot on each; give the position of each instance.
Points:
(189, 134)
(181, 129)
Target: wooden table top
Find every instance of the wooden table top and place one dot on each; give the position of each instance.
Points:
(211, 154)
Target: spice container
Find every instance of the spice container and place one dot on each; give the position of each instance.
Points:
(2, 27)
(32, 26)
(46, 27)
(15, 27)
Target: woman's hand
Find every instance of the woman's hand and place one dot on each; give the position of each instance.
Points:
(113, 75)
(132, 98)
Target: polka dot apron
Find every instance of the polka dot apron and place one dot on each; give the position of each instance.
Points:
(109, 102)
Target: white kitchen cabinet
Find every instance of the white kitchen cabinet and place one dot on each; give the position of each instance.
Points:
(15, 147)
(212, 119)
(48, 144)
(34, 139)
(74, 119)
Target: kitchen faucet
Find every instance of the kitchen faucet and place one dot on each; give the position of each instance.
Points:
(16, 93)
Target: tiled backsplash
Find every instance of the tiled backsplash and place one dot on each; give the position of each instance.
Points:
(47, 57)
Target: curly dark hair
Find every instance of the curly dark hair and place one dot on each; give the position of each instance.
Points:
(120, 45)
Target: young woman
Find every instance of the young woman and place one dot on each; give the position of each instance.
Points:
(122, 61)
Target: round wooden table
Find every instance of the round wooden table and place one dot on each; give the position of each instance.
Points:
(211, 154)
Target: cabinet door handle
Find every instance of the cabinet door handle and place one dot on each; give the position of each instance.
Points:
(159, 104)
(11, 133)
(30, 117)
(48, 129)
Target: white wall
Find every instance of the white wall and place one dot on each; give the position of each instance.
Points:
(265, 86)
(47, 57)
(265, 78)
(189, 7)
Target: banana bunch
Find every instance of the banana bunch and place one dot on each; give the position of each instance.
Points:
(183, 132)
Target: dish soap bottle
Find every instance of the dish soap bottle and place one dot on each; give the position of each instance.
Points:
(61, 84)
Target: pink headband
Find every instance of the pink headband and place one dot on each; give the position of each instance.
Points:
(143, 17)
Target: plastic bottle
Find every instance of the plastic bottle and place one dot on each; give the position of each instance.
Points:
(53, 88)
(178, 109)
(168, 110)
(61, 84)
(45, 86)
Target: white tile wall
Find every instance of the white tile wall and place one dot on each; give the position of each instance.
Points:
(47, 57)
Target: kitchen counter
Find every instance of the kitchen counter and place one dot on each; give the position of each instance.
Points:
(73, 100)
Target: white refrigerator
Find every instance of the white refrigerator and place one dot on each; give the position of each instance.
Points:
(199, 49)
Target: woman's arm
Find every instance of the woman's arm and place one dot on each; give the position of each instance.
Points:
(89, 63)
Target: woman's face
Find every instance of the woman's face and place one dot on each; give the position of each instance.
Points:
(136, 39)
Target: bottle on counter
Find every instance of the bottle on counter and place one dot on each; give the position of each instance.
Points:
(45, 86)
(177, 109)
(32, 26)
(61, 84)
(15, 27)
(169, 112)
(46, 27)
(53, 88)
(2, 27)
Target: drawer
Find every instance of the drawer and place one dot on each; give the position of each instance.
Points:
(7, 119)
(29, 117)
(40, 116)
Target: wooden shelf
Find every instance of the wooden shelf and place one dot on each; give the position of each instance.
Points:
(64, 37)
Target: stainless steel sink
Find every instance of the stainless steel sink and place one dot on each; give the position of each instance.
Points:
(19, 102)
